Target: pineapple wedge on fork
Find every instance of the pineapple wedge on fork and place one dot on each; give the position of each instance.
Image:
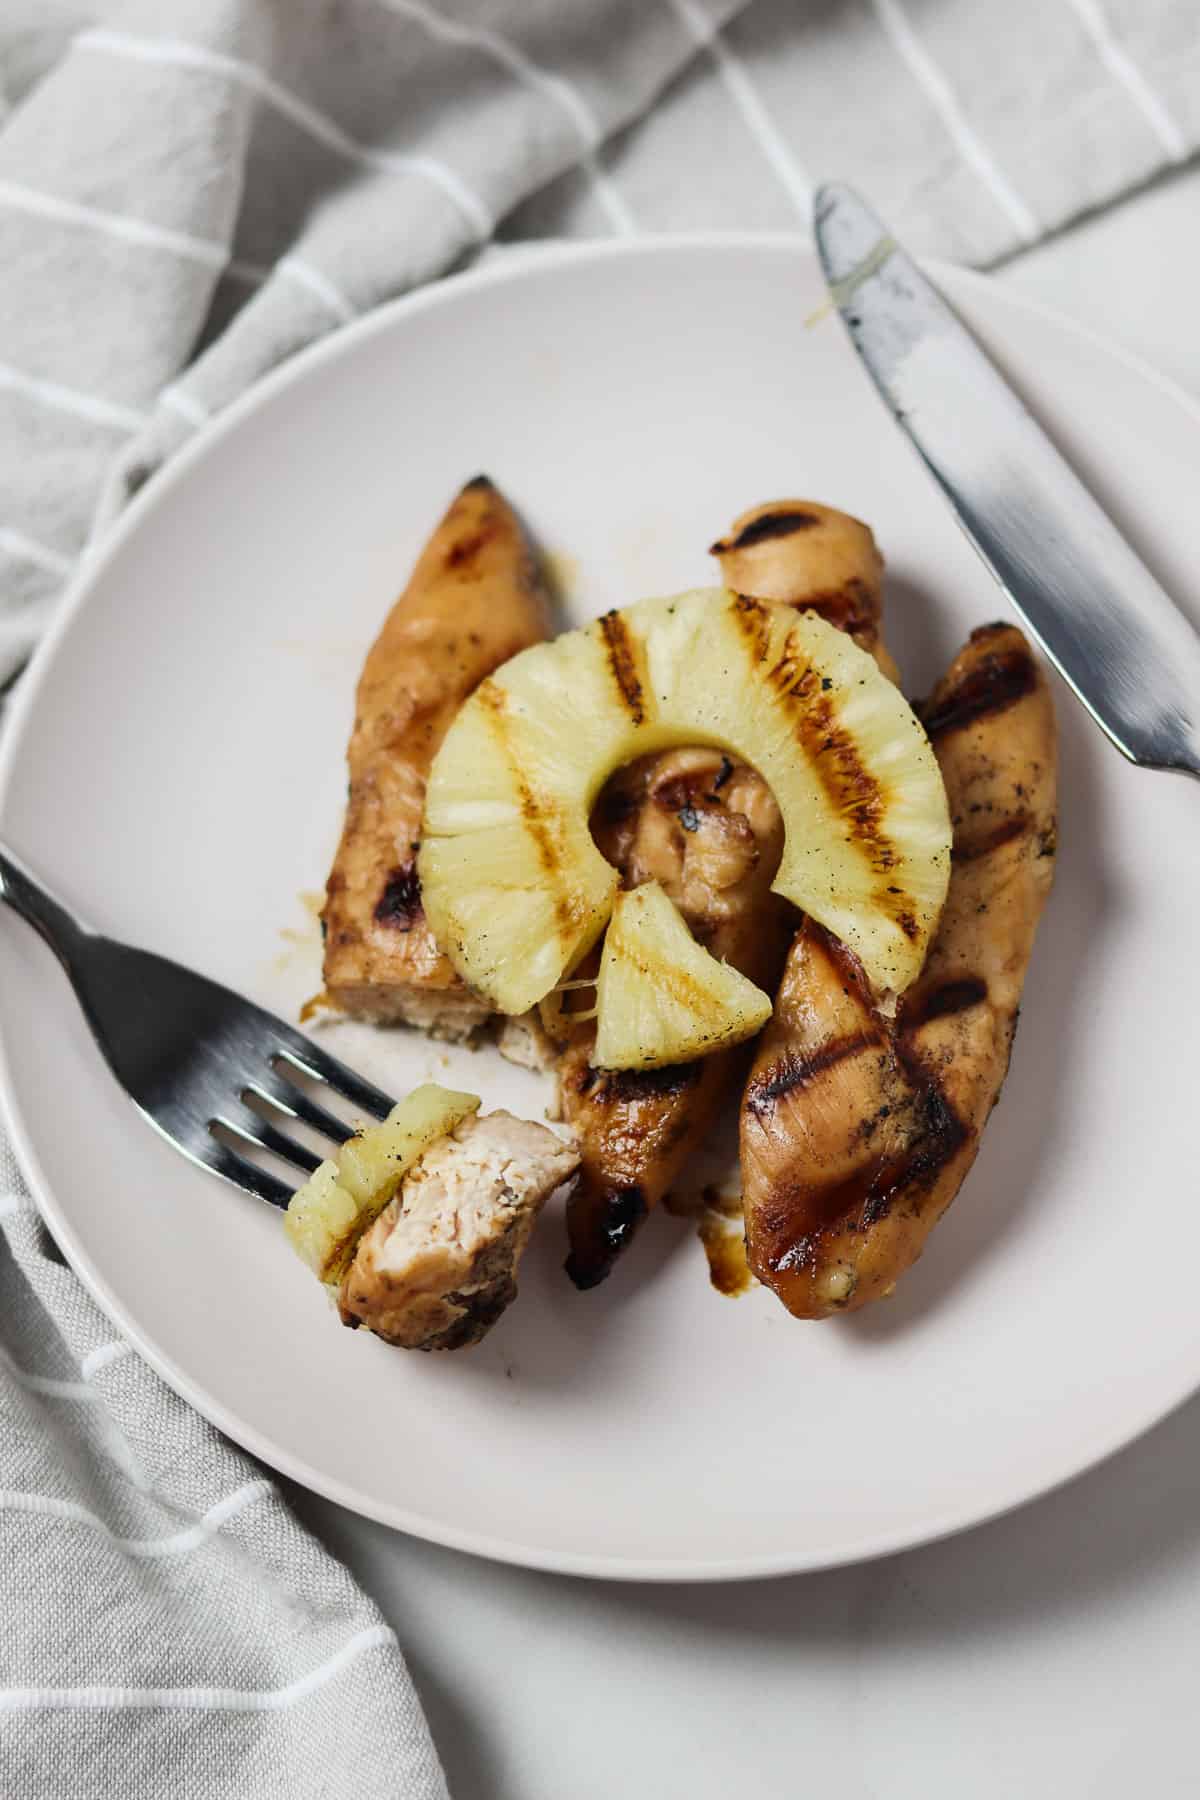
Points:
(517, 892)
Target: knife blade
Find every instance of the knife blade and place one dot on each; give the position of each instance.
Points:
(1098, 613)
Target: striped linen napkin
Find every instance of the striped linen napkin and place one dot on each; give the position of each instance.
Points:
(169, 1627)
(189, 194)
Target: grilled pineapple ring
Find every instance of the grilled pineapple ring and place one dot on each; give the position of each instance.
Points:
(516, 891)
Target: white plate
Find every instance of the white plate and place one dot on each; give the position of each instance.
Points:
(176, 771)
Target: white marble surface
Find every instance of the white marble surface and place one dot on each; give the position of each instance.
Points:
(1052, 1653)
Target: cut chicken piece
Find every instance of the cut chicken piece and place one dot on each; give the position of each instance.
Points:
(438, 1267)
(474, 600)
(857, 1129)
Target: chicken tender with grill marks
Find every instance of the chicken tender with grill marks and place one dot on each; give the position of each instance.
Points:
(858, 1129)
(676, 819)
(475, 598)
(439, 1265)
(814, 558)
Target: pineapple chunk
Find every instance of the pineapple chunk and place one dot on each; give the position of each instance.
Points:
(327, 1216)
(661, 998)
(516, 891)
(322, 1223)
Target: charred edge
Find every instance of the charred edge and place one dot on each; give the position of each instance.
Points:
(492, 698)
(1005, 833)
(478, 483)
(941, 1002)
(796, 1070)
(601, 1225)
(623, 1087)
(851, 607)
(481, 1311)
(622, 660)
(399, 905)
(997, 628)
(615, 805)
(768, 525)
(842, 959)
(992, 686)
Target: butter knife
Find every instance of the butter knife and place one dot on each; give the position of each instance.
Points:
(1106, 624)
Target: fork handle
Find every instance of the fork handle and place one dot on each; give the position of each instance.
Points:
(51, 920)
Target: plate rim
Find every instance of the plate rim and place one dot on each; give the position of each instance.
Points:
(519, 264)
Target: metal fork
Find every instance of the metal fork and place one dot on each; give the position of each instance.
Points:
(191, 1054)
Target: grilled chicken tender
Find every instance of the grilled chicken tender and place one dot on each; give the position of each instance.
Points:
(858, 1129)
(474, 600)
(812, 557)
(708, 829)
(710, 832)
(438, 1266)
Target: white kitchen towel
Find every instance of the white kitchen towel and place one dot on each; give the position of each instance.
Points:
(190, 191)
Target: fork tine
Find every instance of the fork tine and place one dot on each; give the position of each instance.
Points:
(280, 1093)
(304, 1055)
(244, 1174)
(265, 1137)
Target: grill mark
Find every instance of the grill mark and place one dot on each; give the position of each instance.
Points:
(997, 682)
(941, 1002)
(1020, 825)
(941, 1137)
(782, 523)
(491, 697)
(754, 622)
(796, 1069)
(852, 790)
(864, 1199)
(400, 905)
(935, 1135)
(622, 660)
